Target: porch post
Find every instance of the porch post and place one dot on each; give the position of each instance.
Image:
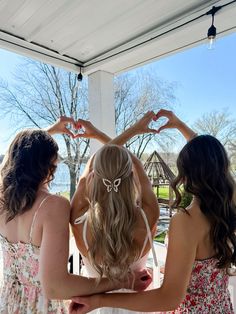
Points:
(101, 105)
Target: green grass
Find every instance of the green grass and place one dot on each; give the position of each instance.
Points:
(66, 194)
(160, 237)
(163, 192)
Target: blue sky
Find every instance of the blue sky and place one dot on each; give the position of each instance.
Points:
(206, 80)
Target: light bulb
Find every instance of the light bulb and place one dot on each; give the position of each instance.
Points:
(211, 43)
(211, 34)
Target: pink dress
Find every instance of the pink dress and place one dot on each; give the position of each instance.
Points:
(20, 289)
(207, 291)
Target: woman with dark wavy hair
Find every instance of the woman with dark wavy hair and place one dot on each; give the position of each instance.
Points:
(34, 230)
(202, 240)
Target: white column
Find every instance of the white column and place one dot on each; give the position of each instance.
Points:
(101, 105)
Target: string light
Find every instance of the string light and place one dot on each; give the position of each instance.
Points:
(211, 34)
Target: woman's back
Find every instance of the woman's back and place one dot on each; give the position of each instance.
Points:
(115, 232)
(143, 234)
(207, 291)
(20, 241)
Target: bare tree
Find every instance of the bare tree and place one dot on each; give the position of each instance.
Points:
(222, 126)
(218, 124)
(135, 95)
(41, 95)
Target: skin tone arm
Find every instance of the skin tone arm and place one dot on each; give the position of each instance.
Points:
(54, 251)
(175, 123)
(177, 276)
(57, 283)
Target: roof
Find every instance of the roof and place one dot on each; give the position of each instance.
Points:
(109, 35)
(157, 169)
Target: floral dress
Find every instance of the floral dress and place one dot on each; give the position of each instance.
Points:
(20, 288)
(207, 291)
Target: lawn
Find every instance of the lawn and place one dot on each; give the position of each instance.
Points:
(160, 237)
(163, 192)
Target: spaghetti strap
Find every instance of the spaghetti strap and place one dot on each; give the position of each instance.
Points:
(34, 218)
(148, 237)
(80, 220)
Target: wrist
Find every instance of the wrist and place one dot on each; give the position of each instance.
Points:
(133, 130)
(102, 137)
(99, 300)
(50, 130)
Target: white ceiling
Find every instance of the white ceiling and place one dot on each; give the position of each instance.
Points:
(109, 35)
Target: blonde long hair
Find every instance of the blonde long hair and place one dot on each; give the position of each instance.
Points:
(112, 215)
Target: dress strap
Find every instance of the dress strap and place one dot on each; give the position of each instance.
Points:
(34, 218)
(148, 237)
(80, 220)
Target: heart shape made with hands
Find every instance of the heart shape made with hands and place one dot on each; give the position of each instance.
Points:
(166, 120)
(73, 130)
(159, 122)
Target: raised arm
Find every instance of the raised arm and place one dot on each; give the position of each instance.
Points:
(148, 197)
(79, 202)
(175, 123)
(141, 126)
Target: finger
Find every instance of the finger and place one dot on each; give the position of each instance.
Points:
(68, 120)
(68, 132)
(149, 130)
(80, 135)
(72, 307)
(149, 114)
(79, 300)
(82, 121)
(163, 113)
(163, 127)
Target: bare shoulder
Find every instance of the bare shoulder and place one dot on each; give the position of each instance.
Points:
(183, 222)
(55, 206)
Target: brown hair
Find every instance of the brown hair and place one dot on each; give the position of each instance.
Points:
(28, 162)
(203, 170)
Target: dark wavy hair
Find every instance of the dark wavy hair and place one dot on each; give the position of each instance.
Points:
(203, 170)
(30, 161)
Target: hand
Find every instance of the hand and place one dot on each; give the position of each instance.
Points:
(173, 121)
(90, 131)
(141, 126)
(139, 280)
(82, 305)
(61, 126)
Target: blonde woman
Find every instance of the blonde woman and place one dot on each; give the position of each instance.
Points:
(114, 211)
